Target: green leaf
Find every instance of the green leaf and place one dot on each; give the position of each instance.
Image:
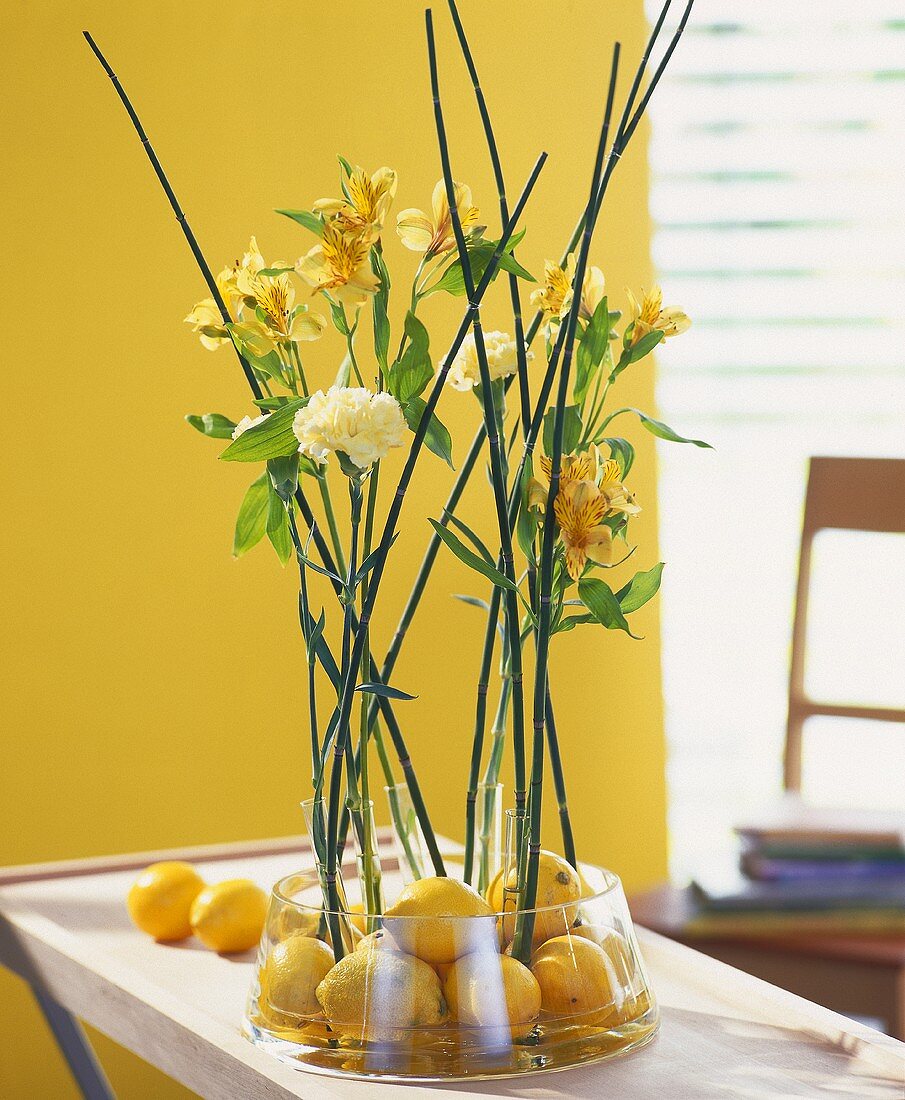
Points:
(278, 525)
(659, 429)
(437, 438)
(215, 425)
(472, 560)
(598, 598)
(271, 403)
(251, 522)
(379, 305)
(314, 636)
(569, 622)
(473, 538)
(480, 253)
(273, 438)
(385, 690)
(527, 522)
(370, 561)
(409, 375)
(632, 354)
(254, 346)
(472, 601)
(571, 429)
(338, 312)
(641, 588)
(272, 272)
(622, 451)
(314, 222)
(591, 349)
(284, 475)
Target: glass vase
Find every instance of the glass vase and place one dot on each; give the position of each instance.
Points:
(488, 828)
(441, 998)
(408, 839)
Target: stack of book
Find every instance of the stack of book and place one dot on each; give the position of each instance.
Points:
(804, 870)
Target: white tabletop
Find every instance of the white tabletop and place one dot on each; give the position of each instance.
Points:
(723, 1034)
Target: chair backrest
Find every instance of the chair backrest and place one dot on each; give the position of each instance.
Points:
(854, 494)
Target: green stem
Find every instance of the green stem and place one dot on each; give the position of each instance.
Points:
(522, 942)
(498, 477)
(324, 487)
(344, 708)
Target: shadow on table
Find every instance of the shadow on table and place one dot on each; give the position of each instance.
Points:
(749, 1061)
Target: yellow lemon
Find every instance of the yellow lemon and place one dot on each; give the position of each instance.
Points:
(492, 990)
(437, 919)
(380, 940)
(293, 971)
(356, 916)
(372, 994)
(577, 977)
(558, 885)
(290, 920)
(161, 898)
(229, 916)
(628, 975)
(494, 892)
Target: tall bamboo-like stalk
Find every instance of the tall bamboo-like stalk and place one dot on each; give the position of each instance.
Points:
(521, 948)
(497, 472)
(344, 708)
(384, 705)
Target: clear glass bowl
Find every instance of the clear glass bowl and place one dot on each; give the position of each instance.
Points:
(438, 998)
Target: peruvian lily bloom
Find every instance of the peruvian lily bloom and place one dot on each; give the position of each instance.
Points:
(207, 321)
(434, 234)
(650, 316)
(591, 293)
(580, 508)
(555, 296)
(277, 318)
(340, 265)
(367, 204)
(590, 490)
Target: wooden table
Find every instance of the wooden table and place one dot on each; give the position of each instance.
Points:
(855, 975)
(63, 927)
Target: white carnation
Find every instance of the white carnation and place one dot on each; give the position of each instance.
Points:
(363, 425)
(502, 360)
(246, 422)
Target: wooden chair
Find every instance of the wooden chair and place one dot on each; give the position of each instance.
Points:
(851, 494)
(862, 976)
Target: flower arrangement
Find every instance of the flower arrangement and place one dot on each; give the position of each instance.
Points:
(560, 488)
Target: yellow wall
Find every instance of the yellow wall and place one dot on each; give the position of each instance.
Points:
(141, 661)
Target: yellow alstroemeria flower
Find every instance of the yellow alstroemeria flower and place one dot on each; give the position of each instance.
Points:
(555, 296)
(609, 482)
(592, 293)
(580, 508)
(207, 321)
(581, 467)
(650, 316)
(283, 321)
(590, 489)
(340, 265)
(433, 235)
(368, 204)
(239, 279)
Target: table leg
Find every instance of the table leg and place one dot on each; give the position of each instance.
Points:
(76, 1049)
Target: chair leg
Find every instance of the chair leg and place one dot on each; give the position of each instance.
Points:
(76, 1049)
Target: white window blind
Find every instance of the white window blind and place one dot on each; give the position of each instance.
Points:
(778, 187)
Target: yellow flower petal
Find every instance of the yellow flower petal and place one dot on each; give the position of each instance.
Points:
(415, 229)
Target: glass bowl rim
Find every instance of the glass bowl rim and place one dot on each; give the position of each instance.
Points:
(613, 885)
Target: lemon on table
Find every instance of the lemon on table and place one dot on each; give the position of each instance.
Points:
(293, 971)
(229, 916)
(491, 991)
(373, 993)
(161, 898)
(435, 919)
(577, 977)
